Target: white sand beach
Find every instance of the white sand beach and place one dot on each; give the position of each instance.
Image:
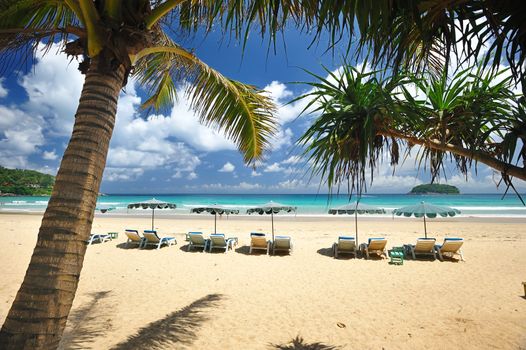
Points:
(173, 299)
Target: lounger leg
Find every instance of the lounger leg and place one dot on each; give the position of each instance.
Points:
(334, 251)
(366, 253)
(461, 255)
(413, 253)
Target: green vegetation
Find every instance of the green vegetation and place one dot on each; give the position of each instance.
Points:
(434, 188)
(25, 182)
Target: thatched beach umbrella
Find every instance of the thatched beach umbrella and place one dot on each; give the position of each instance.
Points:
(152, 204)
(356, 208)
(214, 209)
(104, 209)
(425, 209)
(271, 208)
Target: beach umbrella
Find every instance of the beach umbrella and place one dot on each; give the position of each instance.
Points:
(104, 209)
(356, 208)
(425, 209)
(214, 209)
(271, 208)
(152, 204)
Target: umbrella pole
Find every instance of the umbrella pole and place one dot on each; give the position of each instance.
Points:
(356, 224)
(272, 218)
(153, 216)
(425, 226)
(215, 222)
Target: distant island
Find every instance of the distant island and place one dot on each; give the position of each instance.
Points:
(17, 182)
(434, 189)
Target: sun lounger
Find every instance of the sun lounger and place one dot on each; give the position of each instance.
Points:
(345, 245)
(282, 243)
(99, 237)
(196, 240)
(134, 238)
(258, 241)
(374, 246)
(423, 246)
(218, 241)
(450, 247)
(151, 238)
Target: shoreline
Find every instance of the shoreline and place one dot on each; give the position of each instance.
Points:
(502, 219)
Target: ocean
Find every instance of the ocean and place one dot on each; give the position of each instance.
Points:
(479, 205)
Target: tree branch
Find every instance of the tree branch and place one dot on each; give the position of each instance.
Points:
(479, 156)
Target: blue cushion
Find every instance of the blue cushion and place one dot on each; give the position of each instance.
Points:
(453, 239)
(195, 233)
(426, 239)
(285, 237)
(346, 237)
(375, 238)
(150, 231)
(132, 231)
(259, 234)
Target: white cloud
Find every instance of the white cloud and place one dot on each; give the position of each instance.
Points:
(20, 136)
(292, 160)
(282, 138)
(122, 174)
(3, 90)
(51, 155)
(191, 176)
(227, 168)
(273, 168)
(53, 87)
(255, 173)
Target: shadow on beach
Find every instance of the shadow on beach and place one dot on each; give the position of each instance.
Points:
(87, 323)
(299, 343)
(328, 252)
(179, 327)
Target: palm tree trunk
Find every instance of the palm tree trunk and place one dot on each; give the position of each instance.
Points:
(39, 313)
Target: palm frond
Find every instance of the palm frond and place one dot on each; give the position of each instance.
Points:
(25, 24)
(242, 112)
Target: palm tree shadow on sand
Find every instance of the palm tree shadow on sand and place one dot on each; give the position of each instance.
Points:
(179, 327)
(299, 343)
(87, 323)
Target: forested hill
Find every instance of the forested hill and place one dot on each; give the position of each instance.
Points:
(434, 189)
(25, 182)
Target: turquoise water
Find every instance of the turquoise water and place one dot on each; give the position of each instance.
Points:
(308, 204)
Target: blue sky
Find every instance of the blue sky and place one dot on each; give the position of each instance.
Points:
(172, 152)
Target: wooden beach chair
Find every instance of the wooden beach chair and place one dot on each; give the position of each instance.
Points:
(133, 238)
(197, 240)
(258, 241)
(218, 241)
(345, 245)
(99, 237)
(282, 243)
(151, 238)
(374, 246)
(450, 248)
(423, 246)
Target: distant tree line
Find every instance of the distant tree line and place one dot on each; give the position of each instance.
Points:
(25, 182)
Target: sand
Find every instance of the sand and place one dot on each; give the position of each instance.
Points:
(173, 299)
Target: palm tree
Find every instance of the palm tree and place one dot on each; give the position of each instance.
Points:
(365, 118)
(115, 38)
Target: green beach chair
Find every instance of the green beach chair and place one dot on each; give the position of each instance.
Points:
(396, 255)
